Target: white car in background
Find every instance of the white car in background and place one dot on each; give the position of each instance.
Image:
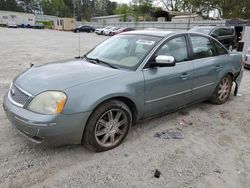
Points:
(247, 58)
(107, 32)
(99, 31)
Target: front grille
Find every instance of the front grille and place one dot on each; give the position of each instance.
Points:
(18, 96)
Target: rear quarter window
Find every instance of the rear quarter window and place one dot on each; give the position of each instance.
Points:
(202, 47)
(219, 48)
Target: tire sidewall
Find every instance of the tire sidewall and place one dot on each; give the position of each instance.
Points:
(89, 138)
(215, 99)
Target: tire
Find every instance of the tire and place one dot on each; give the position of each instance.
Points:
(77, 31)
(107, 126)
(222, 91)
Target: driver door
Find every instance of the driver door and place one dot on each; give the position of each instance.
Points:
(167, 88)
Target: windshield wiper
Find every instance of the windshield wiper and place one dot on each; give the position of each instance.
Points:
(96, 60)
(88, 59)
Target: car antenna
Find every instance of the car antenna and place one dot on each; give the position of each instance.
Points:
(79, 46)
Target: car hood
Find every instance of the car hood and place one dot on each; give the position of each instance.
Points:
(62, 75)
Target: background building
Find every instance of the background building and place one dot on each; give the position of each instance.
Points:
(65, 24)
(19, 18)
(112, 19)
(187, 18)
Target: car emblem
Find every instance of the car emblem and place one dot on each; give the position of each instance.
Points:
(12, 92)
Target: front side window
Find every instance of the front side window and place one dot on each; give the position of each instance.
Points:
(202, 47)
(176, 47)
(125, 51)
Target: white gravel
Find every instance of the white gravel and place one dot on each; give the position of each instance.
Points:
(215, 151)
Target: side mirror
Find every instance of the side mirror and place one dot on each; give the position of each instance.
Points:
(164, 61)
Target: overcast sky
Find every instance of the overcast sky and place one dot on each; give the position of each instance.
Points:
(122, 1)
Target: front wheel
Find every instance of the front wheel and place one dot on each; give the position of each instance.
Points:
(107, 126)
(222, 91)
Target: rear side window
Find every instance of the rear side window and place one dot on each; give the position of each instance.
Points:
(176, 47)
(226, 31)
(202, 47)
(219, 48)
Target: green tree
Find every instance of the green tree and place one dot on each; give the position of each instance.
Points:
(53, 7)
(141, 8)
(124, 10)
(10, 5)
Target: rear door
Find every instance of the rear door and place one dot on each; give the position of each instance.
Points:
(168, 88)
(206, 66)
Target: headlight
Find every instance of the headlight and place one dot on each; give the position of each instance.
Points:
(49, 102)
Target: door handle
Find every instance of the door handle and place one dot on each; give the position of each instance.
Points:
(218, 67)
(184, 76)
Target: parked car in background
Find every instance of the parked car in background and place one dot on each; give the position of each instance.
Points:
(121, 30)
(226, 35)
(12, 25)
(129, 77)
(107, 32)
(84, 28)
(99, 31)
(247, 58)
(39, 26)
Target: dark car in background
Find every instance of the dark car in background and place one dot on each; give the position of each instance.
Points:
(121, 30)
(84, 28)
(226, 35)
(39, 26)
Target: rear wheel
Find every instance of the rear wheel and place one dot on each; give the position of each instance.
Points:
(107, 126)
(223, 90)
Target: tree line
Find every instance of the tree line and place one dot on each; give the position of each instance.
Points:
(140, 9)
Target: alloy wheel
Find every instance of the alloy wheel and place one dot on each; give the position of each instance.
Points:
(111, 127)
(224, 89)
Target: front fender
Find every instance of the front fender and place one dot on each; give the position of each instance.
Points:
(86, 97)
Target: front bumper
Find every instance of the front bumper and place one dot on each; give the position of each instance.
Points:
(247, 61)
(47, 129)
(98, 32)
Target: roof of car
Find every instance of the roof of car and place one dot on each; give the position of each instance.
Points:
(158, 33)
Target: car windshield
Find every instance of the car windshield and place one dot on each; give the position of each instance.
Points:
(125, 51)
(204, 30)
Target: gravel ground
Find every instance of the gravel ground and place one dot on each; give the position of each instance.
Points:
(215, 151)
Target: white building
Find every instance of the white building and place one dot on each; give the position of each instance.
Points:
(18, 18)
(112, 19)
(187, 18)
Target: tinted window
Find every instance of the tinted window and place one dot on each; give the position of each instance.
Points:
(219, 48)
(202, 47)
(226, 31)
(176, 47)
(216, 32)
